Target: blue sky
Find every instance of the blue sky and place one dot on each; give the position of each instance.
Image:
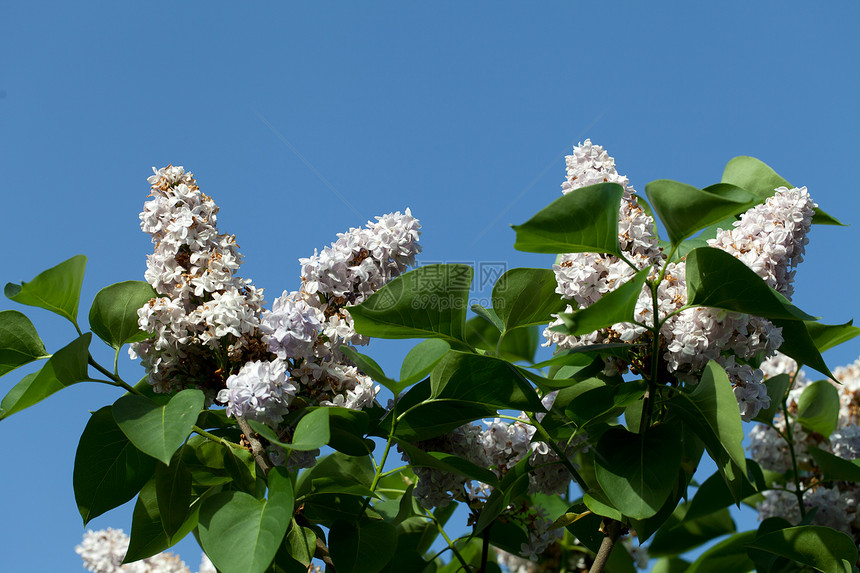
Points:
(302, 120)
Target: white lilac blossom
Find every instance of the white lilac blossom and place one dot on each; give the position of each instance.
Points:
(437, 488)
(499, 446)
(835, 506)
(259, 391)
(845, 443)
(203, 306)
(770, 238)
(291, 328)
(748, 387)
(103, 551)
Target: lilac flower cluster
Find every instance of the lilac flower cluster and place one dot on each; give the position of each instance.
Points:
(203, 309)
(103, 551)
(209, 329)
(769, 238)
(835, 503)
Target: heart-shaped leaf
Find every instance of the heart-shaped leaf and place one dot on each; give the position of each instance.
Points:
(362, 547)
(158, 430)
(113, 315)
(638, 471)
(242, 534)
(109, 470)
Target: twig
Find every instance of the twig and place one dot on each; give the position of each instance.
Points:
(322, 553)
(256, 447)
(612, 531)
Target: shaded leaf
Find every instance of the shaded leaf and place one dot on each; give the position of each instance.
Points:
(820, 547)
(108, 470)
(362, 547)
(836, 468)
(776, 386)
(173, 487)
(242, 534)
(638, 471)
(147, 530)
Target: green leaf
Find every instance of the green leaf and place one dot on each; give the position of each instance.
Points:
(517, 344)
(670, 565)
(613, 307)
(57, 289)
(522, 297)
(362, 547)
(302, 542)
(836, 468)
(714, 495)
(447, 463)
(336, 467)
(823, 548)
(637, 472)
(113, 315)
(109, 470)
(489, 315)
(798, 344)
(158, 430)
(427, 302)
(716, 279)
(369, 366)
(711, 412)
(242, 534)
(818, 408)
(513, 486)
(757, 177)
(728, 555)
(433, 418)
(685, 209)
(173, 487)
(679, 535)
(312, 431)
(583, 221)
(776, 386)
(347, 428)
(66, 367)
(147, 530)
(19, 342)
(826, 336)
(482, 379)
(420, 361)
